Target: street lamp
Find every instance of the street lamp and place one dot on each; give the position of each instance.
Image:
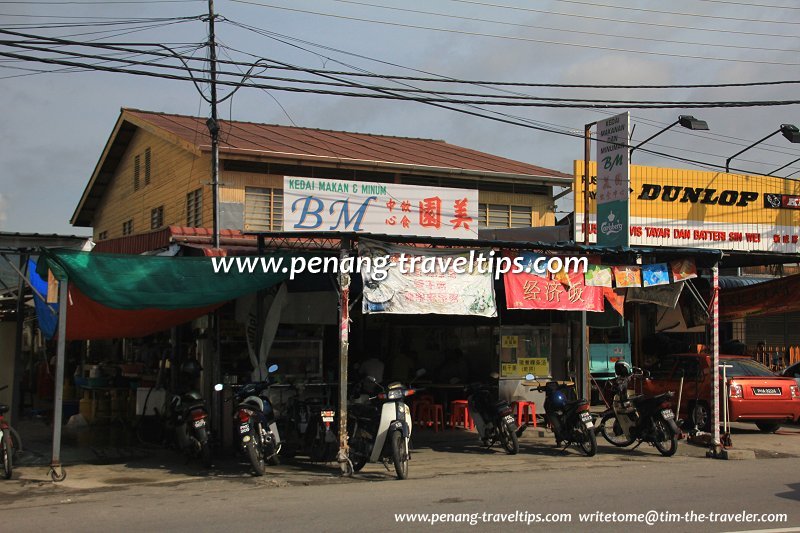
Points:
(687, 121)
(789, 131)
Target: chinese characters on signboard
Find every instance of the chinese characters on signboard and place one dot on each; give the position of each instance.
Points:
(316, 204)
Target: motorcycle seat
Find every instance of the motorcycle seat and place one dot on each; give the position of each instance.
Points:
(3, 408)
(197, 405)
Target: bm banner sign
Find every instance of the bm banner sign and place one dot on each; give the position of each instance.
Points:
(701, 209)
(325, 205)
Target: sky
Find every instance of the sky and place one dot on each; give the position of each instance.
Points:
(55, 124)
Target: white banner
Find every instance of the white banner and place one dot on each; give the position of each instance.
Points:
(428, 281)
(325, 205)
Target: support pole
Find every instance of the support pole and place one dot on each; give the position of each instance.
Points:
(344, 328)
(16, 393)
(57, 472)
(716, 445)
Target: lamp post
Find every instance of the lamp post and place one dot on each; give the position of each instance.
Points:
(789, 131)
(687, 121)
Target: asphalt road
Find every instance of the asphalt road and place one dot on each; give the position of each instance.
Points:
(369, 502)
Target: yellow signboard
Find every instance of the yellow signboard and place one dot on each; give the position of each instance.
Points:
(697, 209)
(510, 341)
(538, 366)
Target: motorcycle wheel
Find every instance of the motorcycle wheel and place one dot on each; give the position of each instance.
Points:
(7, 453)
(667, 447)
(612, 432)
(256, 458)
(400, 454)
(205, 455)
(508, 438)
(589, 443)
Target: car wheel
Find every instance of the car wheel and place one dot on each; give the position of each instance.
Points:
(700, 416)
(767, 427)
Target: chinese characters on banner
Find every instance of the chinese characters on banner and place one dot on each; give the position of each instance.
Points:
(317, 204)
(441, 289)
(528, 291)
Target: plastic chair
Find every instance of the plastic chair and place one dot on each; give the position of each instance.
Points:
(427, 413)
(459, 414)
(524, 409)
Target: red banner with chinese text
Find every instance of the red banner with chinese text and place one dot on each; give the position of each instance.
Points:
(528, 291)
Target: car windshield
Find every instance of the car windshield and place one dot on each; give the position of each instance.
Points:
(745, 367)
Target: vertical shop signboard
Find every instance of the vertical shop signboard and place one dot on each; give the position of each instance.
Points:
(613, 180)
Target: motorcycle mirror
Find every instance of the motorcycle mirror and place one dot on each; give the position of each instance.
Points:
(494, 375)
(272, 369)
(529, 377)
(371, 379)
(218, 387)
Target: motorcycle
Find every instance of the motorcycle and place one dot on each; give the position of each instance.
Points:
(644, 418)
(381, 432)
(307, 428)
(568, 416)
(6, 445)
(255, 423)
(493, 418)
(186, 418)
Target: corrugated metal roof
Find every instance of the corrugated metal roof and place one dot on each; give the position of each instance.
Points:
(733, 282)
(305, 143)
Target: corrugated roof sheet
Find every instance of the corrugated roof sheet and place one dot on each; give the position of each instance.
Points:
(286, 141)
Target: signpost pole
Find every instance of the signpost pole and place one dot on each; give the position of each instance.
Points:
(343, 456)
(582, 370)
(716, 446)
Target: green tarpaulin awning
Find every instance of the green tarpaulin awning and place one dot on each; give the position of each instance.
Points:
(153, 282)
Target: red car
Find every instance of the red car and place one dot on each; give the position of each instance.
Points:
(756, 394)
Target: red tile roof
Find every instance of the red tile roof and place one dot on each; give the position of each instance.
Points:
(307, 143)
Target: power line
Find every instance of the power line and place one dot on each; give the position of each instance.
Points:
(678, 13)
(622, 21)
(747, 4)
(284, 38)
(582, 32)
(512, 38)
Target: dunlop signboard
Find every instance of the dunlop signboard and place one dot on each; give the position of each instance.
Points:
(701, 209)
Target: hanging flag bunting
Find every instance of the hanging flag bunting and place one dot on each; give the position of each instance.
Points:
(683, 269)
(655, 274)
(664, 295)
(526, 291)
(627, 276)
(598, 276)
(616, 297)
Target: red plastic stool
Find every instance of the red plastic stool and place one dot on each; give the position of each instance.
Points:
(459, 414)
(428, 414)
(523, 410)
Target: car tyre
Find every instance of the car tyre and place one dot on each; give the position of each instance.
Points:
(700, 416)
(767, 427)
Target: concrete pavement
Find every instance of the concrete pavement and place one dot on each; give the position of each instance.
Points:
(447, 453)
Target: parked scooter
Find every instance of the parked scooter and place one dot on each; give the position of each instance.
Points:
(308, 427)
(381, 432)
(493, 418)
(644, 418)
(255, 425)
(185, 418)
(568, 416)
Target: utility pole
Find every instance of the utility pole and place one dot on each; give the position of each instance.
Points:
(213, 129)
(582, 370)
(213, 125)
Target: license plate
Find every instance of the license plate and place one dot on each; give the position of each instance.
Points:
(509, 419)
(244, 428)
(586, 418)
(200, 423)
(767, 391)
(327, 416)
(667, 414)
